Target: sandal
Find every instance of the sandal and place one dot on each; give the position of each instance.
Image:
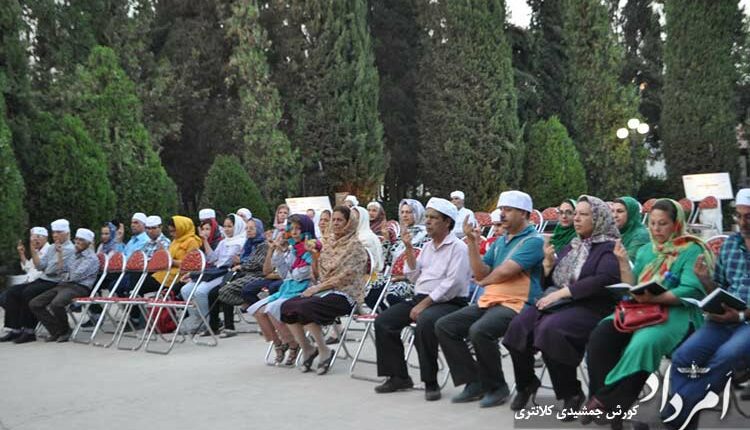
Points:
(280, 353)
(291, 359)
(325, 365)
(307, 364)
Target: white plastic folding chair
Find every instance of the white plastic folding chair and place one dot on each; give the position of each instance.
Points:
(85, 302)
(160, 261)
(194, 262)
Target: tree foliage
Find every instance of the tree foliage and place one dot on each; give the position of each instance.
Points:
(267, 153)
(698, 119)
(467, 117)
(12, 191)
(553, 168)
(228, 187)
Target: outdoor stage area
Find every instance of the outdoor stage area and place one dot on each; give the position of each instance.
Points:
(73, 386)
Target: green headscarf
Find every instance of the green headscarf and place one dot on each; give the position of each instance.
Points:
(634, 234)
(562, 236)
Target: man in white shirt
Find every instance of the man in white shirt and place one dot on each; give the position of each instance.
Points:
(457, 197)
(441, 276)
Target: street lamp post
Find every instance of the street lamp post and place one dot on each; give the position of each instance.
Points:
(635, 127)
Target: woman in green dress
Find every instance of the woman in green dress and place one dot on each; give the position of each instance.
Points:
(627, 213)
(620, 363)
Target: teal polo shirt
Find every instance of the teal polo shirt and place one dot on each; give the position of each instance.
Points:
(529, 255)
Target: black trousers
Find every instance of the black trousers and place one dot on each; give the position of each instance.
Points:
(483, 327)
(17, 312)
(605, 349)
(564, 376)
(390, 348)
(55, 319)
(216, 306)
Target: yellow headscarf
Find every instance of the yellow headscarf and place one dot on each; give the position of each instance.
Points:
(185, 241)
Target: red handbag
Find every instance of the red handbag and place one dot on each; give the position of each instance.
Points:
(630, 316)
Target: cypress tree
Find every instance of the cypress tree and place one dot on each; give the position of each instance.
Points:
(106, 100)
(72, 179)
(601, 104)
(698, 118)
(468, 124)
(12, 191)
(553, 168)
(267, 154)
(228, 187)
(324, 67)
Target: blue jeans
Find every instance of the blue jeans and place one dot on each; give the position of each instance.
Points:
(718, 347)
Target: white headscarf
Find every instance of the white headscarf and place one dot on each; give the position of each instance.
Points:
(368, 239)
(239, 236)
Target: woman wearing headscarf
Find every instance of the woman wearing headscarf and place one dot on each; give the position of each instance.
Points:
(182, 231)
(109, 243)
(564, 231)
(219, 258)
(411, 216)
(247, 268)
(575, 300)
(619, 363)
(627, 213)
(289, 255)
(279, 220)
(368, 239)
(379, 223)
(342, 266)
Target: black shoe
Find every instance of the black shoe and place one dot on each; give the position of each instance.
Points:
(11, 335)
(472, 392)
(432, 392)
(573, 404)
(51, 338)
(307, 364)
(25, 338)
(523, 395)
(394, 383)
(495, 397)
(330, 340)
(64, 337)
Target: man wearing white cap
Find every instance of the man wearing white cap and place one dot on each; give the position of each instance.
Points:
(206, 214)
(156, 238)
(441, 277)
(457, 197)
(138, 238)
(78, 277)
(722, 344)
(511, 273)
(37, 241)
(18, 316)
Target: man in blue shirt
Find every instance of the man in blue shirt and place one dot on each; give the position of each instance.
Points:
(511, 272)
(139, 238)
(722, 345)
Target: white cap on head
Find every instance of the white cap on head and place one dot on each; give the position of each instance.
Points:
(352, 199)
(205, 214)
(743, 197)
(153, 221)
(496, 216)
(516, 199)
(85, 234)
(61, 225)
(245, 213)
(458, 195)
(444, 207)
(140, 217)
(39, 231)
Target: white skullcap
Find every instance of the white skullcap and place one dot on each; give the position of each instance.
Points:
(516, 199)
(40, 231)
(245, 213)
(496, 216)
(457, 195)
(153, 221)
(140, 217)
(444, 207)
(61, 225)
(205, 214)
(743, 197)
(85, 234)
(352, 199)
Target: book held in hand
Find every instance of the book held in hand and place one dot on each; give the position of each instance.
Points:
(712, 303)
(623, 288)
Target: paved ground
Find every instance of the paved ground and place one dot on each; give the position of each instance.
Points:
(73, 386)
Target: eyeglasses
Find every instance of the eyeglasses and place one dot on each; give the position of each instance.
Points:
(738, 216)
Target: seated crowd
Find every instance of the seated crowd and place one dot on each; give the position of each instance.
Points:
(458, 291)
